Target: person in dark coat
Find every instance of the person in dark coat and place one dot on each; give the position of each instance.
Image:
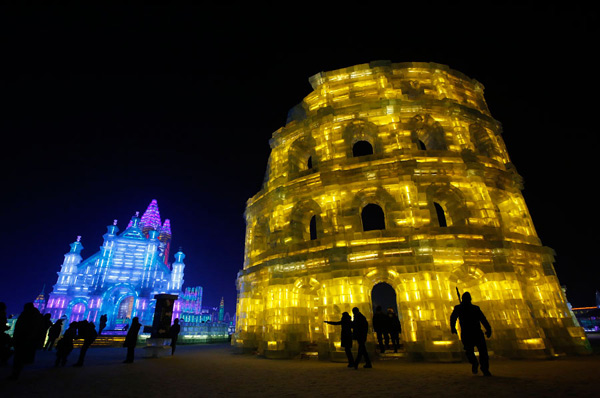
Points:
(174, 333)
(87, 332)
(346, 340)
(470, 317)
(131, 339)
(53, 334)
(103, 321)
(394, 328)
(380, 326)
(65, 345)
(5, 339)
(26, 338)
(360, 330)
(3, 320)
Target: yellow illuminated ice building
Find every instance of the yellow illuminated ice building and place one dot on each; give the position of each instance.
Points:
(395, 175)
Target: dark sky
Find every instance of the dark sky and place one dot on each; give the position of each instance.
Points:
(103, 110)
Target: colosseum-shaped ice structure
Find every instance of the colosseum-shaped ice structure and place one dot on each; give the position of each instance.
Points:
(395, 176)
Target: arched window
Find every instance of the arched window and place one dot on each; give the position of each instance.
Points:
(362, 148)
(306, 222)
(313, 227)
(429, 132)
(372, 217)
(302, 155)
(441, 216)
(484, 141)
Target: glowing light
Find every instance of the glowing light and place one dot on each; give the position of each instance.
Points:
(434, 142)
(126, 265)
(444, 343)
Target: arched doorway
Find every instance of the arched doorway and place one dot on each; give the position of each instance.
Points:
(384, 295)
(119, 303)
(124, 311)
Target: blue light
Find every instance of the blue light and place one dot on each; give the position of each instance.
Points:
(127, 270)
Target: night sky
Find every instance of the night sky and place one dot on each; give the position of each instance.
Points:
(103, 110)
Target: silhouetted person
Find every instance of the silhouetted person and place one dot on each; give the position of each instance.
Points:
(346, 338)
(87, 332)
(5, 339)
(65, 345)
(102, 326)
(131, 339)
(26, 338)
(360, 330)
(174, 332)
(380, 325)
(53, 334)
(394, 328)
(3, 320)
(126, 327)
(470, 317)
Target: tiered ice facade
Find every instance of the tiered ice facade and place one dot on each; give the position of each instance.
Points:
(396, 174)
(122, 278)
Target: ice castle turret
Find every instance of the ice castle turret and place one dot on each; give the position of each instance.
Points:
(165, 240)
(68, 272)
(177, 271)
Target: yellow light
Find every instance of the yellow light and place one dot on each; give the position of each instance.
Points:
(443, 342)
(535, 341)
(290, 284)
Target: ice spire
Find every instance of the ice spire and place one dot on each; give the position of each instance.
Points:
(165, 238)
(40, 301)
(221, 309)
(166, 228)
(151, 218)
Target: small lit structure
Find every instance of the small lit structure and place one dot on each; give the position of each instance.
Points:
(40, 301)
(396, 174)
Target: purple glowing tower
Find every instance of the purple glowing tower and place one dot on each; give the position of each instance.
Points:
(150, 221)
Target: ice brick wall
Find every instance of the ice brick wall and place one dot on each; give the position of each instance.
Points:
(396, 173)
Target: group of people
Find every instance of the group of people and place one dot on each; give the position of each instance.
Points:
(387, 327)
(354, 329)
(32, 328)
(34, 331)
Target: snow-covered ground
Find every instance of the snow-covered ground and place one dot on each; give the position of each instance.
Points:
(215, 371)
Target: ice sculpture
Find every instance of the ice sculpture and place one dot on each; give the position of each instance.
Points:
(122, 278)
(395, 174)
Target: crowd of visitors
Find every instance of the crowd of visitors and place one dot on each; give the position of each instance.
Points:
(34, 331)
